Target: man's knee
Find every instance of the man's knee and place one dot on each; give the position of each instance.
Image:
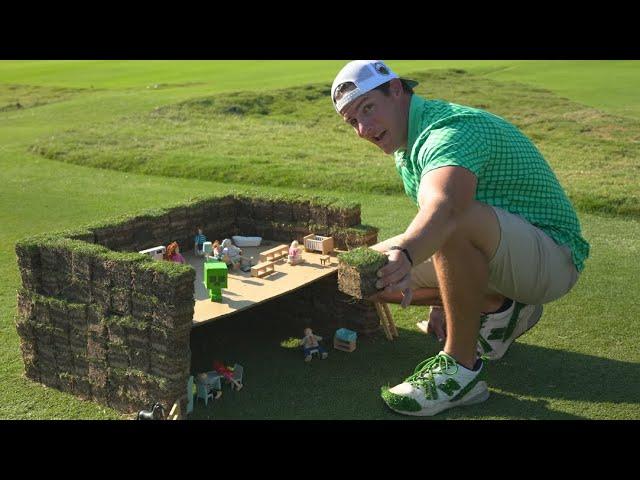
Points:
(479, 227)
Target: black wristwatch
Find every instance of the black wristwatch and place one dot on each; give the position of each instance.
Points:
(406, 252)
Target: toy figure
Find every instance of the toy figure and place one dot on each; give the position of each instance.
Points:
(173, 253)
(230, 254)
(295, 256)
(213, 252)
(227, 373)
(310, 345)
(199, 239)
(214, 275)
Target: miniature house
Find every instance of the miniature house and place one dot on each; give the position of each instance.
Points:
(102, 321)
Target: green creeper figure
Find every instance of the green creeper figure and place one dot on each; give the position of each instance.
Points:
(215, 279)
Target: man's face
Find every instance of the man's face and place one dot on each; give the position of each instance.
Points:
(378, 118)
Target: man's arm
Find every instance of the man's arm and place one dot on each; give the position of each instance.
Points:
(387, 244)
(444, 196)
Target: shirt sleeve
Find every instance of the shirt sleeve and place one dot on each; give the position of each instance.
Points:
(460, 143)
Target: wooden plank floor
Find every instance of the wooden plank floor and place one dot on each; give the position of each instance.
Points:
(244, 291)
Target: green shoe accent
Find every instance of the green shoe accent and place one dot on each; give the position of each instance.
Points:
(485, 345)
(423, 375)
(450, 386)
(470, 385)
(513, 321)
(399, 402)
(497, 334)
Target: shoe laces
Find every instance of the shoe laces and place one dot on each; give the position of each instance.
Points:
(424, 374)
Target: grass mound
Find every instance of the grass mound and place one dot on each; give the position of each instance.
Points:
(293, 138)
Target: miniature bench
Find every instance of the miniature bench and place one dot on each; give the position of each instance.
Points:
(262, 269)
(274, 253)
(325, 260)
(316, 242)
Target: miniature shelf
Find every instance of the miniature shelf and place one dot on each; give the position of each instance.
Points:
(274, 253)
(262, 269)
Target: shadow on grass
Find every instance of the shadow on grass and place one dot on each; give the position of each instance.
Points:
(346, 386)
(536, 371)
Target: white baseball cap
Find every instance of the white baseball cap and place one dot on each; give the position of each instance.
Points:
(366, 75)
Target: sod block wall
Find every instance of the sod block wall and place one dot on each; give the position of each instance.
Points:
(105, 323)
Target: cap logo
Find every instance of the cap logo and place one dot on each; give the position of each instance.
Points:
(381, 68)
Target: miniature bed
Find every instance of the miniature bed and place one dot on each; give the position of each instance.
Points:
(313, 242)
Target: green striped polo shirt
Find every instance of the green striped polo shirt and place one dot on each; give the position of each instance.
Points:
(512, 174)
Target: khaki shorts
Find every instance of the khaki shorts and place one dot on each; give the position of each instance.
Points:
(528, 265)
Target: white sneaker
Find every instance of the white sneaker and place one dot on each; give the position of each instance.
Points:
(499, 330)
(437, 384)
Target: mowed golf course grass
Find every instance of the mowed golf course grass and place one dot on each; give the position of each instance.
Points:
(87, 140)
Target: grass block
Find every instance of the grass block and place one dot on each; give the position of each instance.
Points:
(357, 271)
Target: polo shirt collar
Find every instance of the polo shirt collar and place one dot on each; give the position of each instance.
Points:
(416, 107)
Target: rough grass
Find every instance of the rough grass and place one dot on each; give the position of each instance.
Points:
(290, 137)
(17, 96)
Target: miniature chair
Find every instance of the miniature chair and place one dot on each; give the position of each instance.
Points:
(238, 370)
(236, 377)
(315, 351)
(204, 393)
(207, 387)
